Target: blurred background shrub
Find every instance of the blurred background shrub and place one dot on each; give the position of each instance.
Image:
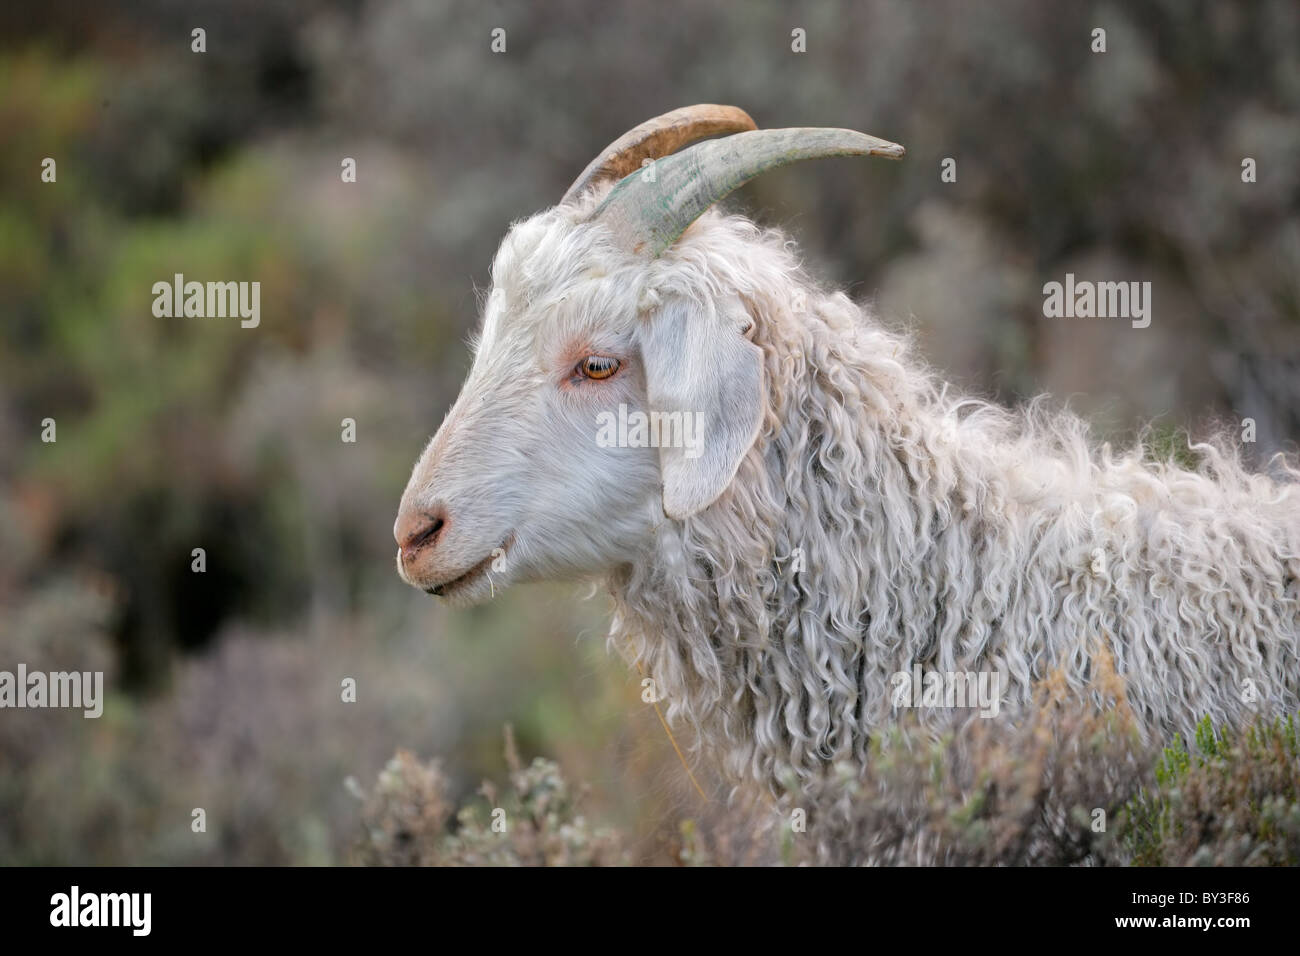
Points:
(175, 434)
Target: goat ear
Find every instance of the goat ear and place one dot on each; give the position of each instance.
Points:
(699, 363)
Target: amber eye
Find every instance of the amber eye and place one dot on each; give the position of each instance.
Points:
(598, 366)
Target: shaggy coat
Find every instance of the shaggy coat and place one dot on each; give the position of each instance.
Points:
(939, 530)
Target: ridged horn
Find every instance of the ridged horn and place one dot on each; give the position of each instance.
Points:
(658, 137)
(648, 216)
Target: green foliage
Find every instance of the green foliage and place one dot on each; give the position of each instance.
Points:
(1229, 800)
(1165, 443)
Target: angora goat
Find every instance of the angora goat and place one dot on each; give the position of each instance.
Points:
(844, 517)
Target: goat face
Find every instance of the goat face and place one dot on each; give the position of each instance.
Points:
(597, 324)
(529, 477)
(514, 485)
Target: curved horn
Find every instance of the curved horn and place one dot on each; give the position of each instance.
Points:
(659, 137)
(648, 216)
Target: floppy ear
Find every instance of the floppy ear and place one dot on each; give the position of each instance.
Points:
(699, 363)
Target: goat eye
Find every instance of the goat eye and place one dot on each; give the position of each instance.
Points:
(598, 366)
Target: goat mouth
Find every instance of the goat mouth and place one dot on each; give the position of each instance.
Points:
(473, 574)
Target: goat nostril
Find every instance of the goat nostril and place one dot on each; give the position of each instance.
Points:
(424, 536)
(428, 534)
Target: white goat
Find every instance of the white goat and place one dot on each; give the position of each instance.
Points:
(846, 517)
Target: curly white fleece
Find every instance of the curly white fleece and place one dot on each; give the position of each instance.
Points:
(941, 530)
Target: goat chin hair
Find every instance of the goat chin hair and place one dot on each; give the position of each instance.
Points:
(883, 521)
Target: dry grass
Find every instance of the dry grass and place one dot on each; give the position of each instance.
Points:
(1070, 783)
(407, 818)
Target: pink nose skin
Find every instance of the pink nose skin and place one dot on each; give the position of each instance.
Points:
(416, 531)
